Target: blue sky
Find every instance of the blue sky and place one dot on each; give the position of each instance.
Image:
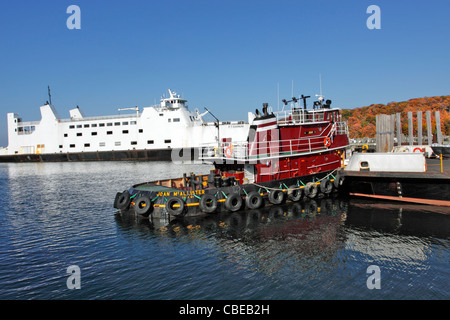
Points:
(229, 56)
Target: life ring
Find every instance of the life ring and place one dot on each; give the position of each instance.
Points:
(123, 202)
(326, 186)
(253, 200)
(311, 190)
(233, 202)
(208, 203)
(295, 193)
(228, 152)
(419, 149)
(327, 142)
(365, 147)
(276, 196)
(174, 205)
(143, 206)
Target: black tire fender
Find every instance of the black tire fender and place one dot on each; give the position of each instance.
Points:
(143, 206)
(311, 190)
(276, 196)
(233, 202)
(175, 205)
(123, 201)
(295, 193)
(208, 203)
(254, 200)
(326, 186)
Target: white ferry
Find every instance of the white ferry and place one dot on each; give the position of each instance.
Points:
(153, 134)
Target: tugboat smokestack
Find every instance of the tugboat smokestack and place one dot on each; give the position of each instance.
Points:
(265, 106)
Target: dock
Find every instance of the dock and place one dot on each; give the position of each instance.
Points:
(431, 186)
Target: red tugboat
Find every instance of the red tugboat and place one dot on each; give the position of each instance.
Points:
(288, 155)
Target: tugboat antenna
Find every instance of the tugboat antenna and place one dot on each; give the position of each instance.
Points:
(49, 96)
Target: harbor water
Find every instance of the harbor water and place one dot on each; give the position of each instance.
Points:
(57, 215)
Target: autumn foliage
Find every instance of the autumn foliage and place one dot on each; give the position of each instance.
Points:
(362, 121)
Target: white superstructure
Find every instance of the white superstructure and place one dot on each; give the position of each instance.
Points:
(169, 125)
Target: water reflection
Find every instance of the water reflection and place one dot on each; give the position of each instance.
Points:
(268, 239)
(399, 218)
(309, 236)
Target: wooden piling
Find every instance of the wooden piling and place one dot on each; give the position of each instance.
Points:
(419, 128)
(429, 132)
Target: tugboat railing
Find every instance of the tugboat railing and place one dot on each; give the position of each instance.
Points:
(254, 150)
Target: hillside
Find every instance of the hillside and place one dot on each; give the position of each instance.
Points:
(362, 121)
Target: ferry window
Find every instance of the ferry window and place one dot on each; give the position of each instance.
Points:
(109, 124)
(79, 134)
(72, 146)
(93, 133)
(161, 114)
(79, 126)
(176, 119)
(65, 135)
(141, 130)
(133, 122)
(150, 142)
(60, 146)
(125, 123)
(167, 141)
(101, 125)
(87, 144)
(86, 126)
(117, 143)
(133, 142)
(109, 132)
(72, 127)
(117, 123)
(125, 131)
(101, 144)
(94, 125)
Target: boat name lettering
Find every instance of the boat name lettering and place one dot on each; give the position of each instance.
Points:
(181, 193)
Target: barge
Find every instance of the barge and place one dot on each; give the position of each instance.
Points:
(287, 155)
